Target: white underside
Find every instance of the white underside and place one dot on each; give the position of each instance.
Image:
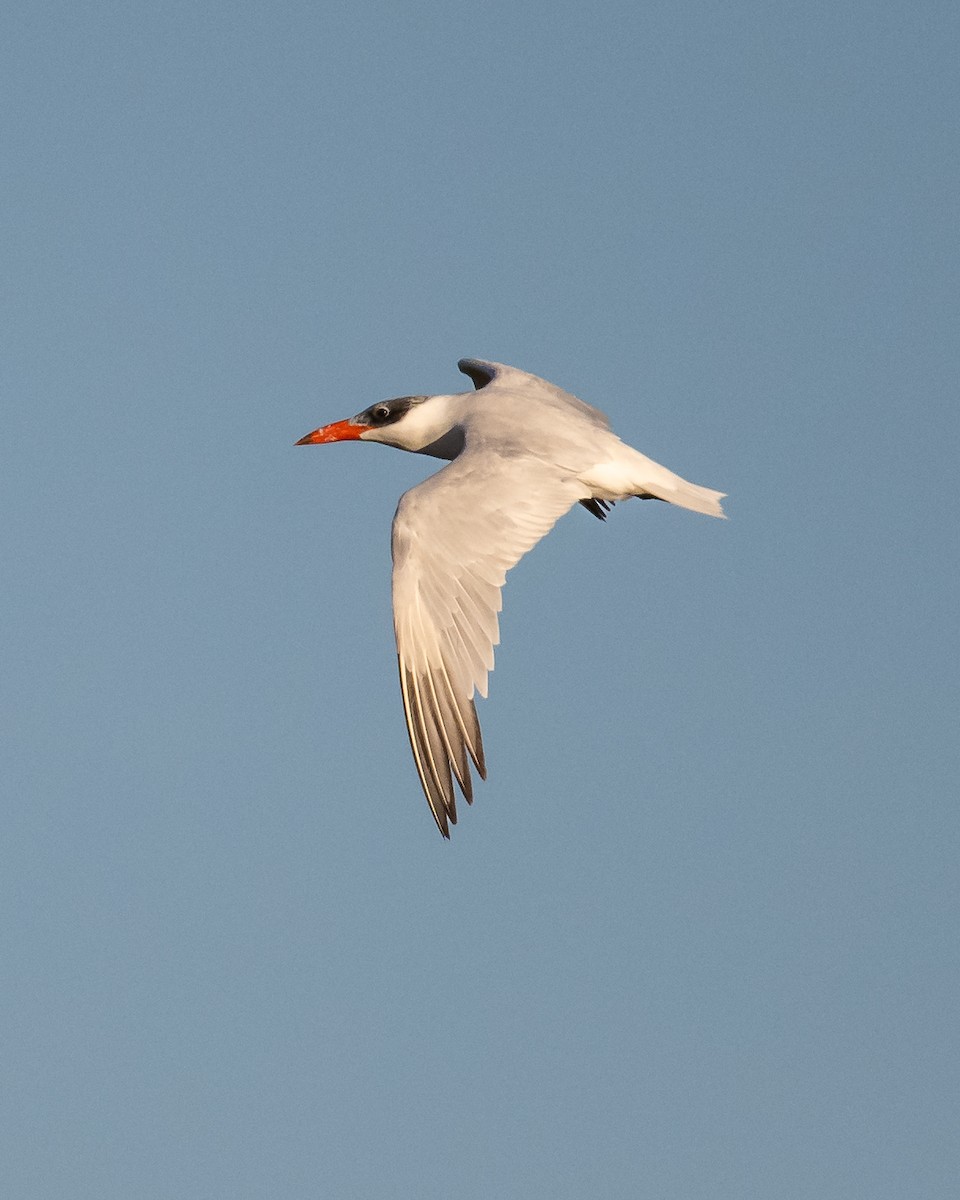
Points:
(632, 474)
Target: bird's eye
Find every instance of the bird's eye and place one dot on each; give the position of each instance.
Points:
(380, 413)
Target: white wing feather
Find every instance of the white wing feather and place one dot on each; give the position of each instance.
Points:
(455, 536)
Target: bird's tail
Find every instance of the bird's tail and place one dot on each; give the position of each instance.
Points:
(687, 495)
(630, 473)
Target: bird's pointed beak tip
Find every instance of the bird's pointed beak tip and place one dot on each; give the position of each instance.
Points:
(339, 431)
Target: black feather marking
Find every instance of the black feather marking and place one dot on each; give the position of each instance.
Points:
(479, 373)
(599, 508)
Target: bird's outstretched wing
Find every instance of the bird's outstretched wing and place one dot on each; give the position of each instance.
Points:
(455, 536)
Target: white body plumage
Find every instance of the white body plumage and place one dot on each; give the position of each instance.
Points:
(522, 453)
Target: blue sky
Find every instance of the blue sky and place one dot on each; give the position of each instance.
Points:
(697, 937)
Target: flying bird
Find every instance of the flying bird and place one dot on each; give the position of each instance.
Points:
(521, 453)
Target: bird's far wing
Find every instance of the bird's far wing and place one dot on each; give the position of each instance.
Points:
(455, 536)
(522, 383)
(480, 373)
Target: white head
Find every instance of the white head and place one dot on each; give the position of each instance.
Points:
(421, 424)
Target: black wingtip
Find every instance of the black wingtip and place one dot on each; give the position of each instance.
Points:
(444, 820)
(478, 371)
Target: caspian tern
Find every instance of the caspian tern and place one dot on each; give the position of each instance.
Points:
(523, 453)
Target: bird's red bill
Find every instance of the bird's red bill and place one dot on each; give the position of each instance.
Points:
(339, 431)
